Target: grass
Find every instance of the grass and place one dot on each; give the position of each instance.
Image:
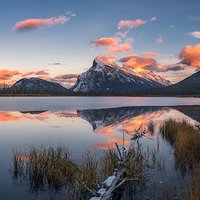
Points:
(45, 168)
(186, 143)
(51, 167)
(194, 193)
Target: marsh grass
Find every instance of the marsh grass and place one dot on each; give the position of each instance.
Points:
(185, 140)
(194, 193)
(53, 168)
(50, 167)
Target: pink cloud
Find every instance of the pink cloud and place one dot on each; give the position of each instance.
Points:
(105, 41)
(131, 23)
(120, 48)
(114, 45)
(33, 24)
(150, 54)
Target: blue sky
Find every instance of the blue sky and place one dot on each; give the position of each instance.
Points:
(69, 43)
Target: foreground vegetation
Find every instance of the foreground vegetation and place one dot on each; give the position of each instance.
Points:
(185, 140)
(54, 168)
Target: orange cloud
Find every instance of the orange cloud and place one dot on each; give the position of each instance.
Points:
(131, 23)
(33, 24)
(190, 55)
(149, 63)
(134, 61)
(7, 74)
(105, 41)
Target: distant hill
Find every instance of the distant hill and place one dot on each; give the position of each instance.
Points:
(190, 85)
(38, 86)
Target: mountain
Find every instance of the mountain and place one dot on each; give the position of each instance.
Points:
(105, 76)
(37, 86)
(188, 86)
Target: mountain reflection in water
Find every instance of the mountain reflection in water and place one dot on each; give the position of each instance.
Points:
(113, 123)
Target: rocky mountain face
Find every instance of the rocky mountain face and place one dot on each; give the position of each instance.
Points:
(106, 76)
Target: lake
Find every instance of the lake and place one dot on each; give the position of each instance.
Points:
(89, 124)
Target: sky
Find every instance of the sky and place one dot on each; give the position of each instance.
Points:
(58, 39)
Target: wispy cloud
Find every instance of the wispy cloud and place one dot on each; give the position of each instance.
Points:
(35, 73)
(190, 55)
(66, 80)
(150, 54)
(194, 18)
(167, 68)
(36, 23)
(131, 24)
(159, 40)
(56, 63)
(67, 76)
(195, 34)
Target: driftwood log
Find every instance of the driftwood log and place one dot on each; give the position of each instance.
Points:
(113, 181)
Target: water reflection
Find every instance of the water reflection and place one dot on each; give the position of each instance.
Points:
(111, 122)
(114, 125)
(83, 130)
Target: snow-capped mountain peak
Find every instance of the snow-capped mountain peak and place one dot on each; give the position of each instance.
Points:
(106, 75)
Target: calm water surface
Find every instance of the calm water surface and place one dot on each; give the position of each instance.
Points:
(88, 124)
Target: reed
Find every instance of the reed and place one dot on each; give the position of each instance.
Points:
(185, 141)
(194, 193)
(53, 168)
